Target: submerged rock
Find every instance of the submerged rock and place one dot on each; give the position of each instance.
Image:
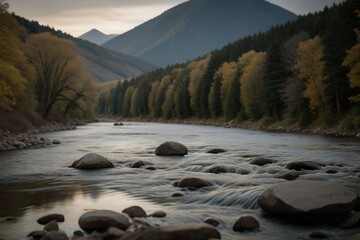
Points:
(217, 150)
(177, 232)
(101, 220)
(216, 169)
(56, 141)
(290, 176)
(48, 218)
(177, 194)
(135, 211)
(137, 164)
(306, 165)
(308, 198)
(246, 223)
(193, 183)
(159, 214)
(171, 149)
(262, 161)
(118, 124)
(92, 161)
(212, 222)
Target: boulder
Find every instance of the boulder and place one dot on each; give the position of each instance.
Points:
(212, 222)
(56, 141)
(217, 150)
(48, 218)
(308, 198)
(262, 161)
(303, 165)
(51, 226)
(55, 235)
(193, 183)
(92, 161)
(135, 211)
(216, 169)
(137, 164)
(159, 214)
(246, 223)
(101, 220)
(171, 149)
(177, 232)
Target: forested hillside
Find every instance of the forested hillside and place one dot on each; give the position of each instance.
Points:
(195, 27)
(103, 64)
(303, 72)
(42, 78)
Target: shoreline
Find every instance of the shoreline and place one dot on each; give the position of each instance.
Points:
(319, 130)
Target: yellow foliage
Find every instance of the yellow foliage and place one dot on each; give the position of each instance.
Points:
(227, 72)
(310, 67)
(352, 61)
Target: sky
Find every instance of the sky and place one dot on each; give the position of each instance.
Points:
(118, 16)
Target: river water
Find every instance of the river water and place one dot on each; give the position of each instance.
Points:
(36, 182)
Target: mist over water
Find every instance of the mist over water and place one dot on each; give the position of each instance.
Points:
(36, 182)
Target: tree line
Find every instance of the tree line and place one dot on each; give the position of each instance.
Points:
(304, 71)
(41, 77)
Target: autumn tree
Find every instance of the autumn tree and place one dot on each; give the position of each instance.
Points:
(310, 67)
(4, 6)
(352, 61)
(15, 72)
(252, 83)
(58, 69)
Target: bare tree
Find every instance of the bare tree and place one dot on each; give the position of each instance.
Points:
(4, 6)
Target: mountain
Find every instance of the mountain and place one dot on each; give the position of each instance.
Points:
(195, 27)
(97, 37)
(103, 64)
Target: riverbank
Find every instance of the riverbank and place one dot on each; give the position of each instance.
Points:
(335, 131)
(15, 141)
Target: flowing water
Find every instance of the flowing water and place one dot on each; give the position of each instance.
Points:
(36, 182)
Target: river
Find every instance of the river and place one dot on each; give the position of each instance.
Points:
(36, 182)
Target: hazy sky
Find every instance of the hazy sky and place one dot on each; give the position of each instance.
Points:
(117, 16)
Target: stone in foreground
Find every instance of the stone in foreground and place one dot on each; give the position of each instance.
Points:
(135, 211)
(246, 223)
(177, 232)
(48, 218)
(101, 220)
(92, 161)
(55, 235)
(171, 149)
(308, 198)
(193, 183)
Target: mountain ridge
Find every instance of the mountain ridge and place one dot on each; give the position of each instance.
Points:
(96, 36)
(193, 28)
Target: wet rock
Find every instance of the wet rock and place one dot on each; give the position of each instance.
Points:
(48, 218)
(246, 223)
(159, 214)
(143, 222)
(308, 198)
(262, 161)
(355, 236)
(171, 149)
(303, 165)
(353, 221)
(36, 234)
(193, 182)
(78, 233)
(331, 171)
(212, 222)
(216, 169)
(56, 141)
(114, 232)
(177, 195)
(101, 220)
(118, 124)
(92, 161)
(177, 232)
(318, 235)
(137, 164)
(217, 150)
(135, 211)
(55, 235)
(51, 226)
(290, 176)
(175, 183)
(150, 168)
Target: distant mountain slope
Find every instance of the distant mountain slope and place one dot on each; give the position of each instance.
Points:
(196, 27)
(103, 64)
(97, 37)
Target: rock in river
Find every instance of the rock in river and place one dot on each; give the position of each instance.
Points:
(194, 231)
(308, 198)
(92, 161)
(260, 161)
(55, 235)
(246, 223)
(171, 149)
(48, 218)
(101, 220)
(135, 211)
(193, 182)
(307, 165)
